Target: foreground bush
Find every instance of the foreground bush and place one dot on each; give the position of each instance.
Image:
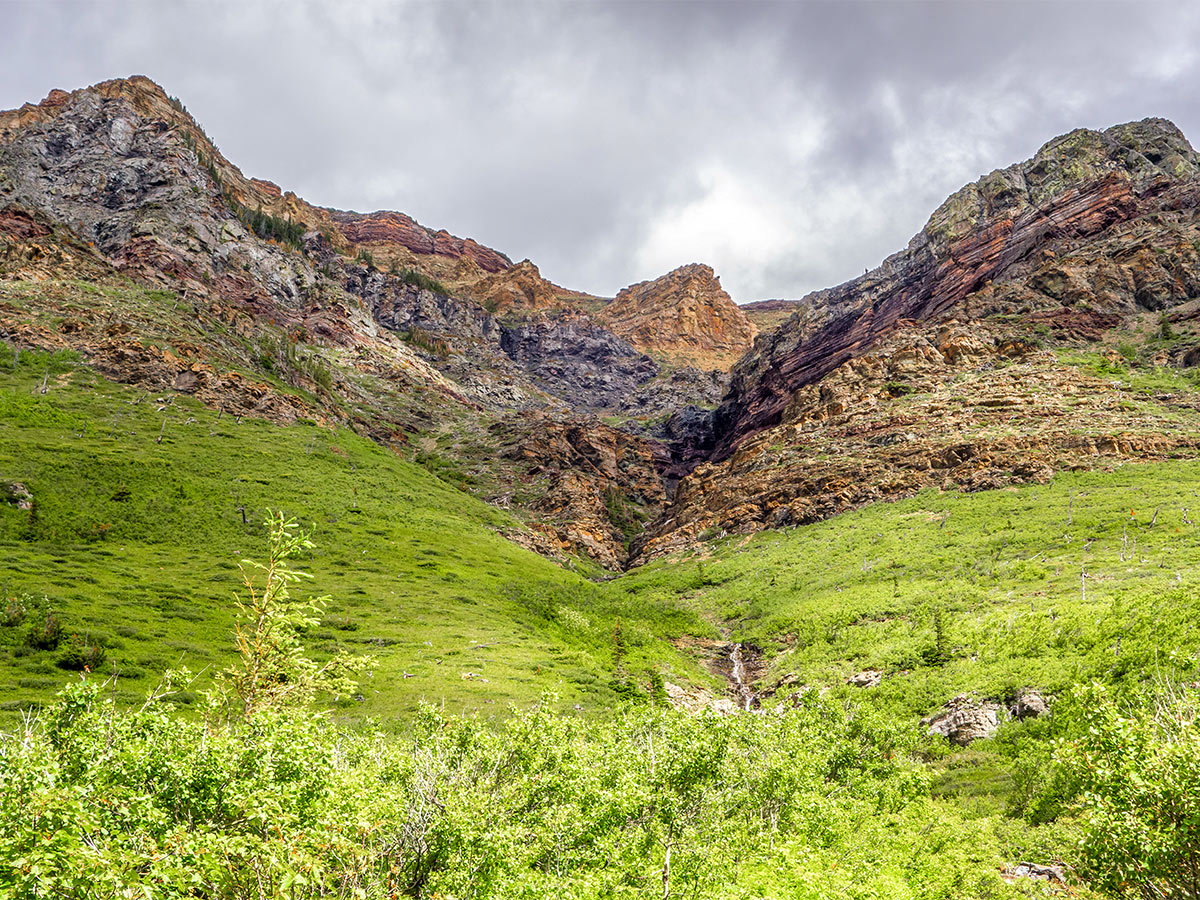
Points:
(1138, 777)
(98, 802)
(255, 796)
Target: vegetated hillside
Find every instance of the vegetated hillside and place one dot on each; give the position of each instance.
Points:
(259, 302)
(124, 515)
(1092, 576)
(834, 790)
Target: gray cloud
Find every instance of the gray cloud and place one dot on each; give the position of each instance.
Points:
(790, 145)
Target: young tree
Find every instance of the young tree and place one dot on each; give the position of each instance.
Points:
(272, 669)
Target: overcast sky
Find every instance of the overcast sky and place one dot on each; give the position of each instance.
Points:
(789, 145)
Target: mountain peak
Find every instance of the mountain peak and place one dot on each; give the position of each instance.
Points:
(684, 315)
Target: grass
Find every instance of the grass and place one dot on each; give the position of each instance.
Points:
(1036, 586)
(135, 543)
(1092, 577)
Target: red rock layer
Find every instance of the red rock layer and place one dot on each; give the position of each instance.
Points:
(390, 227)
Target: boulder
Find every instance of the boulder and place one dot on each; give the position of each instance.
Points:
(1036, 872)
(1028, 704)
(865, 679)
(964, 720)
(16, 494)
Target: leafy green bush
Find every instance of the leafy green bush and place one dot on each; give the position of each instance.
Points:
(15, 610)
(82, 654)
(99, 802)
(272, 669)
(1137, 775)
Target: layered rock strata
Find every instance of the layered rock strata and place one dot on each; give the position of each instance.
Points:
(684, 315)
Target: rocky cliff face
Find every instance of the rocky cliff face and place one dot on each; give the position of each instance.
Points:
(684, 315)
(125, 235)
(1078, 190)
(388, 227)
(957, 363)
(767, 315)
(585, 363)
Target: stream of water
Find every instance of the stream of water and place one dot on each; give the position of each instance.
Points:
(745, 695)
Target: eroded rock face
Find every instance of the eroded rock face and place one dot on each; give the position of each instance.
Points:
(387, 226)
(1079, 190)
(520, 288)
(590, 480)
(942, 368)
(683, 315)
(117, 180)
(579, 360)
(952, 409)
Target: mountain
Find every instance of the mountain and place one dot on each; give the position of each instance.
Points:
(564, 515)
(684, 315)
(1043, 319)
(278, 308)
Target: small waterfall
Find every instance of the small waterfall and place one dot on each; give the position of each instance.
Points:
(745, 695)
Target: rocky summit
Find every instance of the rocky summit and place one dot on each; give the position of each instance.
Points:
(684, 315)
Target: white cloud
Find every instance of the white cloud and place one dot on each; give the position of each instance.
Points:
(787, 144)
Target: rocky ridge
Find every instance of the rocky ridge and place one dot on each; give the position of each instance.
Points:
(1078, 188)
(389, 227)
(957, 364)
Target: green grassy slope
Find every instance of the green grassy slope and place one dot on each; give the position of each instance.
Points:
(1089, 576)
(134, 543)
(1094, 576)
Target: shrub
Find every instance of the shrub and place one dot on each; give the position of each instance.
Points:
(1135, 775)
(420, 280)
(45, 635)
(82, 654)
(284, 358)
(269, 227)
(14, 612)
(272, 670)
(419, 337)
